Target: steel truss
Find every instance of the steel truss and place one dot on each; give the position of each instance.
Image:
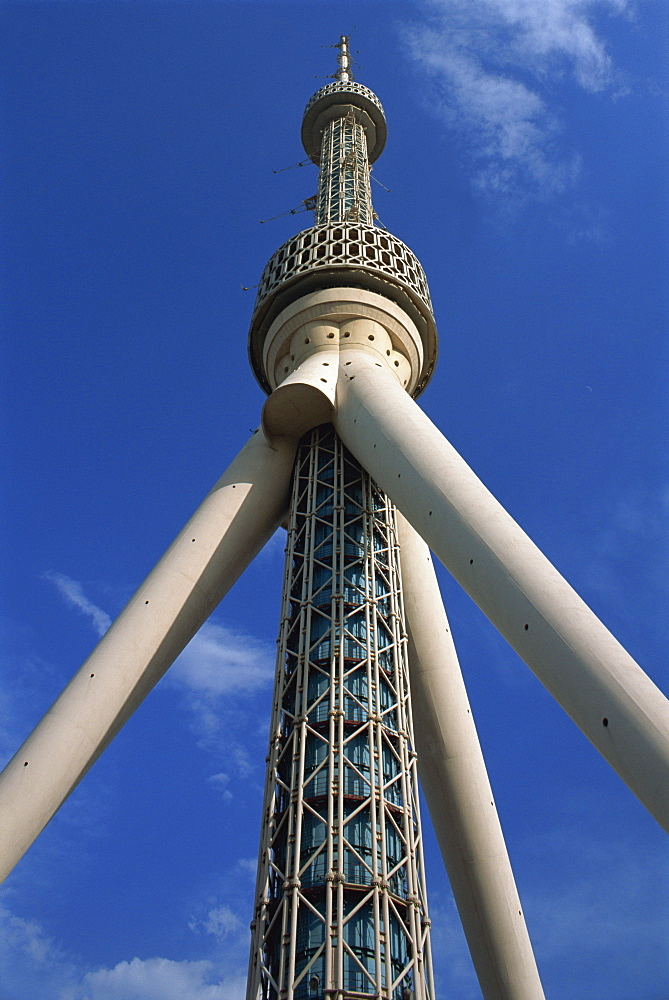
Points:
(341, 908)
(343, 182)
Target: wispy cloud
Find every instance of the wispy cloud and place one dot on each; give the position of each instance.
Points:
(27, 938)
(454, 971)
(31, 962)
(495, 64)
(34, 965)
(220, 667)
(220, 782)
(627, 569)
(220, 660)
(627, 923)
(218, 664)
(73, 593)
(222, 922)
(223, 917)
(159, 979)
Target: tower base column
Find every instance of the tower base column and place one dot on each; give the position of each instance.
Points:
(453, 775)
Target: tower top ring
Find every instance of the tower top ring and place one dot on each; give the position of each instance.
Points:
(336, 100)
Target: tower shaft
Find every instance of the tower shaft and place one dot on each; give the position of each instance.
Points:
(341, 907)
(344, 193)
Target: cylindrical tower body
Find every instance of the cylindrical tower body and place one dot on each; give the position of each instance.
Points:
(341, 909)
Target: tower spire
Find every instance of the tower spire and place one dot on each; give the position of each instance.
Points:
(343, 73)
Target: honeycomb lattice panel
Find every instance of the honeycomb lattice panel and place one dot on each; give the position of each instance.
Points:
(345, 245)
(344, 87)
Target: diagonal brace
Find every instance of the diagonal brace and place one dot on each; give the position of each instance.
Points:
(231, 525)
(599, 685)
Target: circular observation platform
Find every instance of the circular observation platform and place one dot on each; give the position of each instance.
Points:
(343, 255)
(336, 100)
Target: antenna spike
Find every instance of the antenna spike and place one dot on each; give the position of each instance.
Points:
(343, 73)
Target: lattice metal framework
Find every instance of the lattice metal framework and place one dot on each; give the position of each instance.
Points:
(343, 184)
(341, 907)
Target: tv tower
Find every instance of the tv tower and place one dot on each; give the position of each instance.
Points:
(343, 340)
(341, 906)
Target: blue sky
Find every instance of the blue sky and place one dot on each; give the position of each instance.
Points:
(526, 162)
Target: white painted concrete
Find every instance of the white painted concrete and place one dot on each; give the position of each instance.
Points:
(306, 397)
(593, 678)
(456, 786)
(322, 316)
(231, 525)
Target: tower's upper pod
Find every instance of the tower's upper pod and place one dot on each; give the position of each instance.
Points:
(344, 264)
(339, 99)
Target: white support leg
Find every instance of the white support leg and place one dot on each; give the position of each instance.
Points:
(593, 678)
(456, 786)
(231, 525)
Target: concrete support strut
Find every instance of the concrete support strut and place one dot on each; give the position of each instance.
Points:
(456, 786)
(231, 525)
(599, 685)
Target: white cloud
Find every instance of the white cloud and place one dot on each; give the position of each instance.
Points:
(612, 900)
(222, 923)
(34, 965)
(219, 782)
(73, 593)
(220, 660)
(219, 664)
(26, 937)
(628, 565)
(454, 971)
(492, 62)
(217, 661)
(159, 979)
(248, 865)
(560, 31)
